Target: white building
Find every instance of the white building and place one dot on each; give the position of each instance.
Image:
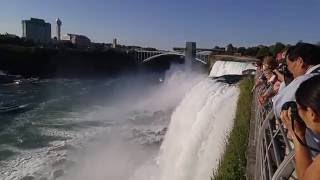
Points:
(58, 29)
(114, 44)
(78, 40)
(13, 36)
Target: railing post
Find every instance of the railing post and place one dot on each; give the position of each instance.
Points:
(271, 160)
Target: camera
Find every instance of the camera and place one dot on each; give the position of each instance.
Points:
(294, 112)
(295, 117)
(283, 69)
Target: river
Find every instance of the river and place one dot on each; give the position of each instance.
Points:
(127, 127)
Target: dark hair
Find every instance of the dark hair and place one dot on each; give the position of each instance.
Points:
(259, 63)
(308, 94)
(270, 61)
(308, 52)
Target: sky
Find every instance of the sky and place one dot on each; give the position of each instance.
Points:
(164, 24)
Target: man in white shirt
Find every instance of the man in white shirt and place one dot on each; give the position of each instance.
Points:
(303, 61)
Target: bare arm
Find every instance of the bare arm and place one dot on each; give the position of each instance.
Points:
(303, 158)
(279, 75)
(305, 167)
(312, 173)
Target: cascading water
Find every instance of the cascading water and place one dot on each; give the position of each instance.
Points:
(221, 68)
(198, 130)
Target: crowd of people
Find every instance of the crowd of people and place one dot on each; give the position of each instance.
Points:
(289, 85)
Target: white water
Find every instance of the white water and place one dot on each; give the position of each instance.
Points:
(197, 132)
(117, 157)
(221, 68)
(193, 144)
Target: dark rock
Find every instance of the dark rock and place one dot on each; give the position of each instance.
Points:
(230, 79)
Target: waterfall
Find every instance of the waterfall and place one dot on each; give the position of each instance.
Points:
(221, 68)
(198, 130)
(199, 127)
(197, 133)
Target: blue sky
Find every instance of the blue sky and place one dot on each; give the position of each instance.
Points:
(167, 23)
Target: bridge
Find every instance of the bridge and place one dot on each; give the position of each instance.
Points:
(190, 53)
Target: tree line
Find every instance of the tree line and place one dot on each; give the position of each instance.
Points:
(259, 51)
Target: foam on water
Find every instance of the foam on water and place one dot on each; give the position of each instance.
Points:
(42, 162)
(72, 129)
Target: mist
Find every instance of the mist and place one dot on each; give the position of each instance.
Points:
(140, 115)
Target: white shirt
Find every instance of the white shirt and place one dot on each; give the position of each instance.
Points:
(312, 68)
(287, 93)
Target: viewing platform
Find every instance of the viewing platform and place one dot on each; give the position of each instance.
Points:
(270, 153)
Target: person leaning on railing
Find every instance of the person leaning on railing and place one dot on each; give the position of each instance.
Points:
(308, 107)
(281, 70)
(260, 76)
(303, 61)
(272, 87)
(271, 78)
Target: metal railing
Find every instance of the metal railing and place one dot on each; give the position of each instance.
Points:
(274, 151)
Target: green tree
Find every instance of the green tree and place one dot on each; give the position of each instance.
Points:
(263, 51)
(242, 50)
(251, 51)
(230, 47)
(276, 48)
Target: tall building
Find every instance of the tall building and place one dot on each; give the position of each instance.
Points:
(58, 30)
(190, 53)
(37, 30)
(114, 45)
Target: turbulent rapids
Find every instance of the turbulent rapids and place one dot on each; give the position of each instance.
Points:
(124, 128)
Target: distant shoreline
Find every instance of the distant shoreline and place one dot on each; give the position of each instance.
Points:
(234, 58)
(51, 62)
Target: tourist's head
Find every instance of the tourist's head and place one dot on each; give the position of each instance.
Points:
(269, 63)
(259, 64)
(268, 73)
(281, 56)
(308, 100)
(301, 56)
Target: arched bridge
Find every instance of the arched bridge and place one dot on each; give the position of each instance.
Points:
(145, 56)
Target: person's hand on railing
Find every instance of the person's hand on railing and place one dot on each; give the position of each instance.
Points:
(257, 84)
(262, 99)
